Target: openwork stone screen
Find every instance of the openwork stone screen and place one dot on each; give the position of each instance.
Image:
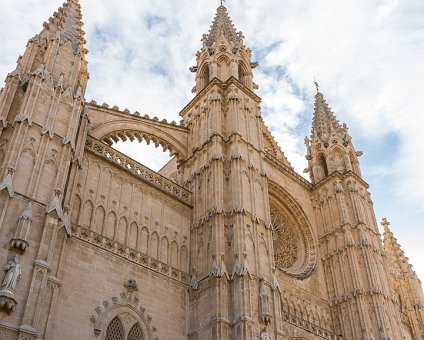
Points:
(115, 330)
(285, 241)
(135, 333)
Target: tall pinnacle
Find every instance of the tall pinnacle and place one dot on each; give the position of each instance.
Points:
(324, 122)
(222, 26)
(399, 262)
(66, 24)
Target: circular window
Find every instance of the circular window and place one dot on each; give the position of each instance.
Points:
(294, 246)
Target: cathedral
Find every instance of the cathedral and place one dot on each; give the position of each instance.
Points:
(226, 241)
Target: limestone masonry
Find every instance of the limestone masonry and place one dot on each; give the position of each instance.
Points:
(227, 241)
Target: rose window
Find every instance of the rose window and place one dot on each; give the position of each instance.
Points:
(285, 242)
(294, 246)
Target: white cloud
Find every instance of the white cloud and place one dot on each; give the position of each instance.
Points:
(366, 54)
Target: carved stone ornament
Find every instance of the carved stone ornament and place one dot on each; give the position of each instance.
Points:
(264, 310)
(127, 308)
(13, 274)
(241, 267)
(218, 270)
(131, 285)
(7, 182)
(22, 230)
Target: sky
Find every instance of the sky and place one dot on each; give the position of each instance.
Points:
(367, 56)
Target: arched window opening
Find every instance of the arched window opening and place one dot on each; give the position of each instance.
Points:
(204, 77)
(243, 74)
(323, 164)
(115, 330)
(135, 333)
(224, 69)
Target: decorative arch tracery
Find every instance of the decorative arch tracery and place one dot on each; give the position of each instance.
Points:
(123, 318)
(111, 126)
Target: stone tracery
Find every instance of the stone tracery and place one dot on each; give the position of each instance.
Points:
(285, 242)
(294, 244)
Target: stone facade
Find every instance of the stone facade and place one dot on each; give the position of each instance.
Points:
(227, 241)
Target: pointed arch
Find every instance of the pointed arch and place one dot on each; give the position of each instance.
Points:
(338, 159)
(123, 318)
(132, 236)
(144, 240)
(87, 214)
(203, 76)
(99, 219)
(174, 254)
(244, 74)
(121, 235)
(223, 64)
(135, 333)
(154, 245)
(110, 225)
(184, 259)
(115, 330)
(164, 247)
(76, 207)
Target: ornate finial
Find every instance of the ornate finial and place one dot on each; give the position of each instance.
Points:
(222, 1)
(316, 85)
(385, 223)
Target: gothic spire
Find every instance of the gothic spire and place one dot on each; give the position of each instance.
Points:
(397, 259)
(223, 55)
(330, 147)
(324, 122)
(222, 26)
(66, 25)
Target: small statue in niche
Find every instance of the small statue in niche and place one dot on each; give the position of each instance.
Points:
(13, 274)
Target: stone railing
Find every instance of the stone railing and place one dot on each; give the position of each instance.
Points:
(309, 327)
(132, 255)
(140, 171)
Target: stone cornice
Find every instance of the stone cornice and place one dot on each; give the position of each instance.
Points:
(343, 248)
(224, 86)
(309, 327)
(119, 249)
(339, 176)
(279, 165)
(213, 138)
(360, 291)
(340, 229)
